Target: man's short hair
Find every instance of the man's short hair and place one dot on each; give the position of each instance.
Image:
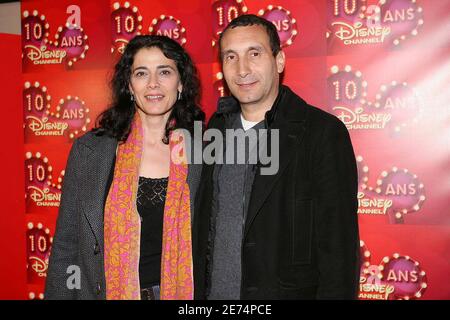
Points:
(250, 20)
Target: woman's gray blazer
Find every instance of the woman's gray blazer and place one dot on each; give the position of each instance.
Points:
(77, 251)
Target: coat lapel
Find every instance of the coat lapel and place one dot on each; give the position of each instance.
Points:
(98, 165)
(290, 136)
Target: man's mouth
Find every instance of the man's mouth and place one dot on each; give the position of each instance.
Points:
(246, 85)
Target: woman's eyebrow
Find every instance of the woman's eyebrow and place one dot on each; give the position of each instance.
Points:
(141, 67)
(165, 66)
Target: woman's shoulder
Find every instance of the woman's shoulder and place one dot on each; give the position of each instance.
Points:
(94, 141)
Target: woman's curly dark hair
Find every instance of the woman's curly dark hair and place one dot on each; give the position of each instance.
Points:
(116, 120)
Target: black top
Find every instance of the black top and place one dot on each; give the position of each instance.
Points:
(151, 198)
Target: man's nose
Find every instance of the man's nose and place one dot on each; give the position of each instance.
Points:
(243, 68)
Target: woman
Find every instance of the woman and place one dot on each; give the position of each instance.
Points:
(124, 225)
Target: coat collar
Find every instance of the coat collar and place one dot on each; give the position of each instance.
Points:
(99, 155)
(281, 111)
(289, 116)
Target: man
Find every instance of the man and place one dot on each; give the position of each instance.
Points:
(292, 234)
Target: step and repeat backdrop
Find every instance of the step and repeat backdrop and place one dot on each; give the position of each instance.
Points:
(381, 66)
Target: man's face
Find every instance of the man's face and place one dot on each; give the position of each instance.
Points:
(251, 71)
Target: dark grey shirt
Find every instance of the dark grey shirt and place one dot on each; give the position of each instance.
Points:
(232, 188)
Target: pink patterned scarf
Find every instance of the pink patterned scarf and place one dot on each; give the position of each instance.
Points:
(122, 228)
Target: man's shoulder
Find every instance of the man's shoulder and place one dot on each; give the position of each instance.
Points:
(323, 125)
(216, 120)
(317, 117)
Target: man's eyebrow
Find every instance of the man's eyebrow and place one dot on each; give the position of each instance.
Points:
(257, 48)
(227, 52)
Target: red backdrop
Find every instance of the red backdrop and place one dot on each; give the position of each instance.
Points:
(382, 67)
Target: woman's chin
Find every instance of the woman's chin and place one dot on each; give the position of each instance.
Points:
(154, 111)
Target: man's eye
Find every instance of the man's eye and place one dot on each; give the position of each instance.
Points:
(255, 54)
(229, 58)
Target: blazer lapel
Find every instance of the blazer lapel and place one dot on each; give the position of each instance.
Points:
(290, 137)
(93, 191)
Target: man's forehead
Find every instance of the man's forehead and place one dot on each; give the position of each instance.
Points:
(244, 38)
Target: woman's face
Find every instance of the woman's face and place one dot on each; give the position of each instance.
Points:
(154, 82)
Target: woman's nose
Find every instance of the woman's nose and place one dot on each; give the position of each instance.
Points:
(153, 82)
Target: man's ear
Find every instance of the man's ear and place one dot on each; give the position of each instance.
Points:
(281, 61)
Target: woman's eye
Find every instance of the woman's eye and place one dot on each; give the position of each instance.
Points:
(165, 72)
(140, 74)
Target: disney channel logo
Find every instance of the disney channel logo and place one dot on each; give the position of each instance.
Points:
(354, 22)
(40, 190)
(69, 44)
(397, 105)
(39, 244)
(368, 202)
(69, 119)
(224, 11)
(398, 192)
(397, 277)
(126, 22)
